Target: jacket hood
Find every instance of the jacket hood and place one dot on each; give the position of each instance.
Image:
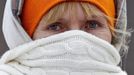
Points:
(15, 35)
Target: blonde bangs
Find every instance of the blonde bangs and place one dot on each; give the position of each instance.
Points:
(58, 11)
(89, 10)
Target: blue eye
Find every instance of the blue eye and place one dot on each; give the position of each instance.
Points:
(92, 24)
(54, 27)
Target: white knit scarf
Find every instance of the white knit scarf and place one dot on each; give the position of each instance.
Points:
(70, 53)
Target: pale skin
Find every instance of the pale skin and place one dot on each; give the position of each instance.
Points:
(95, 25)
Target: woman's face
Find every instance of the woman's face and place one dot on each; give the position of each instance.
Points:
(96, 25)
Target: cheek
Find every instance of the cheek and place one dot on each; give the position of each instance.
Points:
(37, 35)
(104, 34)
(40, 34)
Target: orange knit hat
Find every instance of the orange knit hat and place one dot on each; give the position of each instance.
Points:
(33, 11)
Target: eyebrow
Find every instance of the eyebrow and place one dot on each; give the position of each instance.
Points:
(98, 17)
(68, 21)
(62, 20)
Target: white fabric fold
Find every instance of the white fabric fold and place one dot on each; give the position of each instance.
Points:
(70, 53)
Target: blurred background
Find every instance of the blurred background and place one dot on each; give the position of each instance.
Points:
(130, 58)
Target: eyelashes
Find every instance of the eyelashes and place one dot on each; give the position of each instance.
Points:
(88, 25)
(55, 26)
(92, 24)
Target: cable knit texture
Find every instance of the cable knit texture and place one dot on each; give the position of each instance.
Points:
(70, 53)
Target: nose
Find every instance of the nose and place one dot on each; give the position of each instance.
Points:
(75, 27)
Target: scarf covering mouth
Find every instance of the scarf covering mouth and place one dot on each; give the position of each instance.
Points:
(69, 53)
